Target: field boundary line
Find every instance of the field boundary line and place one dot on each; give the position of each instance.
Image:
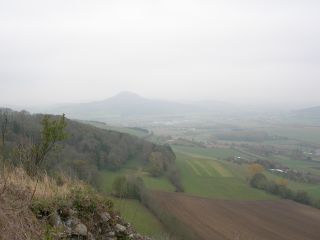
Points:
(200, 165)
(193, 167)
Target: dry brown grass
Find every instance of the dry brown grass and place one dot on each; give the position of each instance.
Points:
(17, 190)
(43, 187)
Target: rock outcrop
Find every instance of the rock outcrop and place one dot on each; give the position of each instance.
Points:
(67, 223)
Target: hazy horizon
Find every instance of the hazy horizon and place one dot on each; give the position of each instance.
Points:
(252, 53)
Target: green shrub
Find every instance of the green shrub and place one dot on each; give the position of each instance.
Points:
(42, 208)
(260, 181)
(128, 187)
(87, 202)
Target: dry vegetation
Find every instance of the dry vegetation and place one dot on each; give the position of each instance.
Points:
(17, 190)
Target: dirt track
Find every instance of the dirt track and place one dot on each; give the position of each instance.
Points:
(243, 220)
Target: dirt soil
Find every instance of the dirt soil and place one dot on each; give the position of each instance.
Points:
(243, 220)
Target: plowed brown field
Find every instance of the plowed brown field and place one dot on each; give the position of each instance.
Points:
(243, 220)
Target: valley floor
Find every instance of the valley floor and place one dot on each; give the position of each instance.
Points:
(234, 219)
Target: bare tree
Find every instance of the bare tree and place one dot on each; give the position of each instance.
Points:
(3, 126)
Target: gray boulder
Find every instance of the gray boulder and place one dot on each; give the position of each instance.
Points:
(120, 228)
(105, 216)
(80, 230)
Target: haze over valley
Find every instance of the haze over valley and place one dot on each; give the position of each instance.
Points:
(148, 120)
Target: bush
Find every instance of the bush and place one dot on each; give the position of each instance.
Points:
(302, 197)
(128, 187)
(174, 177)
(260, 181)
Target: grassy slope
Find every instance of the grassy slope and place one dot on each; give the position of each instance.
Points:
(203, 175)
(140, 217)
(133, 211)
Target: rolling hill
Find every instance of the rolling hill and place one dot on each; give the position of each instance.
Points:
(127, 104)
(123, 104)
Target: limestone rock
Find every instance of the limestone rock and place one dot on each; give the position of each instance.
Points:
(80, 230)
(55, 220)
(120, 228)
(105, 216)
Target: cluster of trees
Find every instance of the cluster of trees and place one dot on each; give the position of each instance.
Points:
(87, 149)
(260, 181)
(302, 176)
(128, 187)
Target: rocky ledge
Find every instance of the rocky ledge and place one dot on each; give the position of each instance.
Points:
(67, 223)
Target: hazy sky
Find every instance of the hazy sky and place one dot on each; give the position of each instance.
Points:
(235, 51)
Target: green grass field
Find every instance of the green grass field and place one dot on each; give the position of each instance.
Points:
(193, 161)
(218, 153)
(132, 131)
(140, 217)
(207, 177)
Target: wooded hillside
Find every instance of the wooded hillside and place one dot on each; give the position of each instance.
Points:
(87, 149)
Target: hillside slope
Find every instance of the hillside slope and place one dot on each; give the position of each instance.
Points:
(33, 209)
(87, 148)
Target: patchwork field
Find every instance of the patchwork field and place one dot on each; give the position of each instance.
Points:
(242, 220)
(208, 170)
(205, 176)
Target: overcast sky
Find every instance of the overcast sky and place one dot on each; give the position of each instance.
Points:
(236, 51)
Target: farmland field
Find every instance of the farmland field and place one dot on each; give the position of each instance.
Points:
(299, 132)
(209, 153)
(243, 220)
(208, 177)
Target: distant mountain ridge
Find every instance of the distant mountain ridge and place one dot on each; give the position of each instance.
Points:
(127, 104)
